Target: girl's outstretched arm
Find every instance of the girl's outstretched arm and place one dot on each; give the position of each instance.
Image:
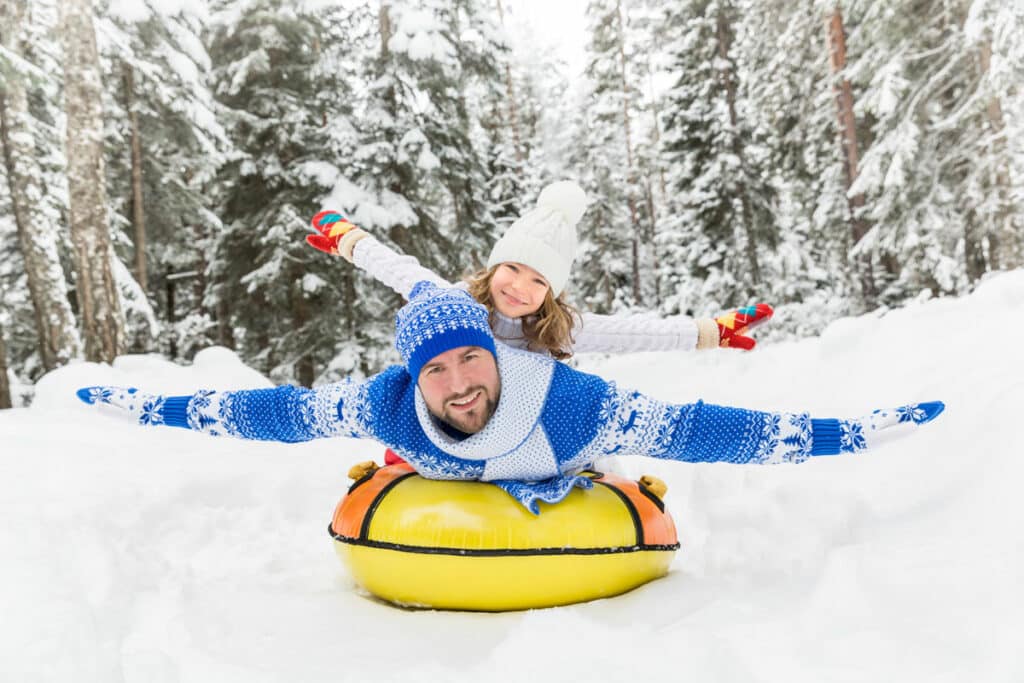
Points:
(645, 332)
(339, 237)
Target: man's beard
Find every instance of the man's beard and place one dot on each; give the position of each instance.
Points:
(472, 421)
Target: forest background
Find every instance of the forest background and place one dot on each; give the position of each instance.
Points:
(161, 161)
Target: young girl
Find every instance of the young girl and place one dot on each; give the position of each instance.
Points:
(522, 286)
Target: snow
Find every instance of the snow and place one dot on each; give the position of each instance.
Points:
(420, 36)
(129, 11)
(312, 283)
(323, 173)
(158, 555)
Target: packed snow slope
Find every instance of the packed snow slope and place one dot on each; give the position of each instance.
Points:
(156, 554)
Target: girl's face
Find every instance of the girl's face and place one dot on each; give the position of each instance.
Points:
(517, 290)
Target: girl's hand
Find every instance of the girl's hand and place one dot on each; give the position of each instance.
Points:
(335, 235)
(733, 326)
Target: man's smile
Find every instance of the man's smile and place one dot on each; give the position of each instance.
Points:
(467, 403)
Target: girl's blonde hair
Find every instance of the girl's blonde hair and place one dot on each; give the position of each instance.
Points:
(549, 329)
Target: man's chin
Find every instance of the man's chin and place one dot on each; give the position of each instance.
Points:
(467, 424)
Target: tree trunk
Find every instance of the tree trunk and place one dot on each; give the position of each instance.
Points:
(630, 172)
(835, 36)
(99, 302)
(305, 371)
(974, 254)
(844, 114)
(225, 331)
(384, 18)
(5, 384)
(138, 207)
(55, 321)
(725, 37)
(652, 237)
(1005, 244)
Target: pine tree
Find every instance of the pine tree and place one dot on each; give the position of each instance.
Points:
(164, 143)
(283, 104)
(723, 213)
(609, 262)
(611, 118)
(936, 175)
(792, 95)
(420, 174)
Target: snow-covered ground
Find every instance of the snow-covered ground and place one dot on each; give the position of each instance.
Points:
(158, 555)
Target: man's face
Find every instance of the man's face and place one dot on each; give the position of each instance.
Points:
(461, 387)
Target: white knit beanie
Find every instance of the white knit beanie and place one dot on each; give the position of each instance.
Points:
(545, 238)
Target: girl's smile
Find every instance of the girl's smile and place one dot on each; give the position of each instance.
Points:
(517, 290)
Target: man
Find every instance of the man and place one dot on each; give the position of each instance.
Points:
(466, 407)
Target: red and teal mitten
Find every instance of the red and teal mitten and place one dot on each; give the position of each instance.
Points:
(335, 235)
(729, 329)
(734, 325)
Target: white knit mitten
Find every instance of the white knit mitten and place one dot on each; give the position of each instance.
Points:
(832, 437)
(146, 409)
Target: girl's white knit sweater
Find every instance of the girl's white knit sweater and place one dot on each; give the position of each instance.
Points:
(597, 333)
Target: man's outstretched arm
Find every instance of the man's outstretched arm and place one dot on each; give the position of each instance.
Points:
(703, 432)
(285, 413)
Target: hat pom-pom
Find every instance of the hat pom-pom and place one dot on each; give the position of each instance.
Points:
(421, 287)
(566, 197)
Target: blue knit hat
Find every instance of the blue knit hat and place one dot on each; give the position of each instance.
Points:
(437, 320)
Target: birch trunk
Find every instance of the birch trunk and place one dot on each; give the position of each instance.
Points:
(99, 303)
(55, 321)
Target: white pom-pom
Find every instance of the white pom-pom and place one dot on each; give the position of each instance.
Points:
(566, 197)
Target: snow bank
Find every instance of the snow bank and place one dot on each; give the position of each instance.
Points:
(161, 555)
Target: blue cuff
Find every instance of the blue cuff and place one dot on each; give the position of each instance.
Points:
(825, 437)
(176, 411)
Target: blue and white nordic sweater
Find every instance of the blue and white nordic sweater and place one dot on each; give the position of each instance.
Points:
(550, 423)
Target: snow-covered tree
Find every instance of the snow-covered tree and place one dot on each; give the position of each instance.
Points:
(940, 193)
(164, 144)
(723, 213)
(99, 300)
(275, 72)
(607, 162)
(420, 175)
(37, 229)
(799, 104)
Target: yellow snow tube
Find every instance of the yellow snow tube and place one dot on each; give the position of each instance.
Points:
(470, 546)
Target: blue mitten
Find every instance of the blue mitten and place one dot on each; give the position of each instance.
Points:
(832, 437)
(146, 409)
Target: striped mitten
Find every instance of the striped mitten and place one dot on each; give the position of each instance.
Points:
(335, 235)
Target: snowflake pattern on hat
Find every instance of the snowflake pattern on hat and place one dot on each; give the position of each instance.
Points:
(436, 320)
